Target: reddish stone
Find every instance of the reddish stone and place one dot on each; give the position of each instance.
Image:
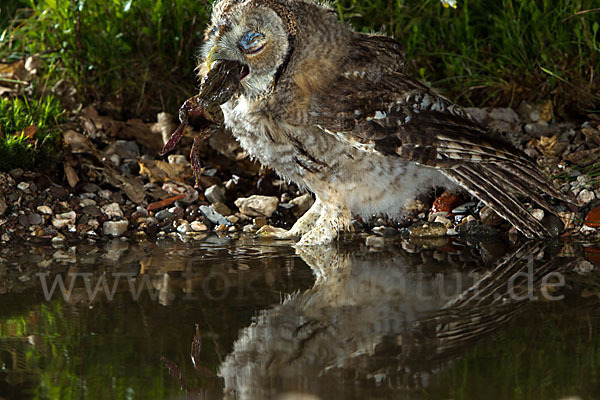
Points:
(593, 218)
(446, 203)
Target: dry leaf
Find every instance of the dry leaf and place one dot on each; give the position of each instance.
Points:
(30, 131)
(159, 171)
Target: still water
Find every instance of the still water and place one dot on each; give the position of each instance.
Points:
(250, 318)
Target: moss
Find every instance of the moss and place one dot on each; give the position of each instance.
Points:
(30, 138)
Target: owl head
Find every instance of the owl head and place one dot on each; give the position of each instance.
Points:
(271, 38)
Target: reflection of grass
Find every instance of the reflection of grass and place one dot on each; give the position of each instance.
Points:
(551, 353)
(29, 137)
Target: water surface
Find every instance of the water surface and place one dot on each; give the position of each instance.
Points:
(256, 319)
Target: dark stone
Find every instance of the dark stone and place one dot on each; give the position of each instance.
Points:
(24, 220)
(480, 230)
(553, 224)
(90, 188)
(58, 192)
(94, 211)
(164, 215)
(34, 219)
(117, 197)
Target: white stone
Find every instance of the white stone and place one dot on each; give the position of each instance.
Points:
(44, 210)
(184, 227)
(23, 186)
(257, 205)
(112, 210)
(538, 214)
(61, 220)
(585, 196)
(198, 226)
(87, 202)
(115, 228)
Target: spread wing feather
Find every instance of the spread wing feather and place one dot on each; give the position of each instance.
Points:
(389, 112)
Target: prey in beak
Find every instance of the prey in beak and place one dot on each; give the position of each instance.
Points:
(219, 85)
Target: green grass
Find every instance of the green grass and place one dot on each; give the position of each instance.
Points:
(133, 57)
(17, 149)
(495, 52)
(138, 57)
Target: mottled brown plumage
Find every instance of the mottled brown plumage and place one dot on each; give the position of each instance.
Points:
(332, 110)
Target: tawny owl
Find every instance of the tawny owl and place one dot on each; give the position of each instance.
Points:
(331, 110)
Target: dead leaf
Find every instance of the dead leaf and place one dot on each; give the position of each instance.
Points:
(132, 187)
(159, 171)
(30, 131)
(546, 111)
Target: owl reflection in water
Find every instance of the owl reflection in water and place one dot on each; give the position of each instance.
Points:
(330, 109)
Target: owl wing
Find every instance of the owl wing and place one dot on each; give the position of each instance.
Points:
(392, 114)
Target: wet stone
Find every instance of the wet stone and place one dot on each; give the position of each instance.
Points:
(24, 187)
(475, 229)
(214, 216)
(375, 241)
(115, 228)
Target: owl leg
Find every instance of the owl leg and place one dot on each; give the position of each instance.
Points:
(332, 220)
(308, 220)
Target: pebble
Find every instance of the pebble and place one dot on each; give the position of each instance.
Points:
(91, 210)
(215, 194)
(87, 202)
(164, 214)
(61, 220)
(34, 219)
(214, 216)
(538, 214)
(24, 187)
(375, 241)
(257, 205)
(115, 228)
(112, 210)
(93, 223)
(585, 196)
(184, 227)
(198, 226)
(302, 204)
(583, 267)
(104, 194)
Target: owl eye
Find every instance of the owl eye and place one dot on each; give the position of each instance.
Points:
(252, 42)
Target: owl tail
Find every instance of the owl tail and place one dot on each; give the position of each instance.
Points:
(500, 184)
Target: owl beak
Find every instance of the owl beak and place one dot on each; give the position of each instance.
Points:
(213, 55)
